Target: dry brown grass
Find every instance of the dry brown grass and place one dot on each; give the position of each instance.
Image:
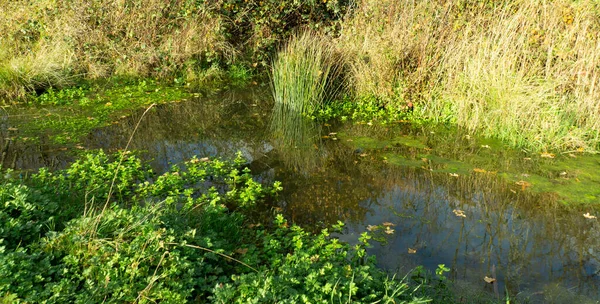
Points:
(56, 40)
(524, 71)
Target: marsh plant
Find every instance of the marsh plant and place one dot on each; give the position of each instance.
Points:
(306, 75)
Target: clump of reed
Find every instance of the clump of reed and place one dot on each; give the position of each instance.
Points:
(523, 71)
(305, 75)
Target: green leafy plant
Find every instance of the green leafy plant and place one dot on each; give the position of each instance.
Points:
(177, 237)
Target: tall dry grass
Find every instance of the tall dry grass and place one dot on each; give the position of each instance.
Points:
(523, 71)
(51, 42)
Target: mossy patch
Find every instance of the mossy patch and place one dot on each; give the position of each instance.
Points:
(575, 177)
(64, 117)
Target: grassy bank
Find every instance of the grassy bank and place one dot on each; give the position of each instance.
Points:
(55, 43)
(523, 71)
(108, 229)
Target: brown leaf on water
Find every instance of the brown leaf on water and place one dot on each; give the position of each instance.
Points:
(388, 224)
(489, 280)
(412, 251)
(478, 170)
(589, 216)
(459, 213)
(372, 227)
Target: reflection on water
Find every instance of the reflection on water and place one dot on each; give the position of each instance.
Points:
(296, 137)
(541, 250)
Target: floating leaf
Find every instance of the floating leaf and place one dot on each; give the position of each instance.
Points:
(389, 230)
(372, 228)
(459, 213)
(489, 280)
(412, 251)
(388, 224)
(589, 216)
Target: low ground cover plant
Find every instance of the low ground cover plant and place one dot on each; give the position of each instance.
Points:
(107, 229)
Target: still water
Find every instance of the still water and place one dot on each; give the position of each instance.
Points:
(420, 193)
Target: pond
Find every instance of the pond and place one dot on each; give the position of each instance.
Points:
(429, 196)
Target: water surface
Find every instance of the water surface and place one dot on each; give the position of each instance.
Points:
(429, 197)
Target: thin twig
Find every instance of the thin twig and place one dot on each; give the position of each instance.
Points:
(212, 251)
(112, 184)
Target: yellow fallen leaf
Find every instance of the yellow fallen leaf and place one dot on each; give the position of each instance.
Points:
(412, 251)
(589, 216)
(478, 170)
(486, 146)
(363, 155)
(108, 104)
(546, 155)
(372, 228)
(489, 280)
(459, 213)
(454, 174)
(524, 184)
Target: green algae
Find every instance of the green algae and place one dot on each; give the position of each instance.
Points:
(574, 178)
(65, 117)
